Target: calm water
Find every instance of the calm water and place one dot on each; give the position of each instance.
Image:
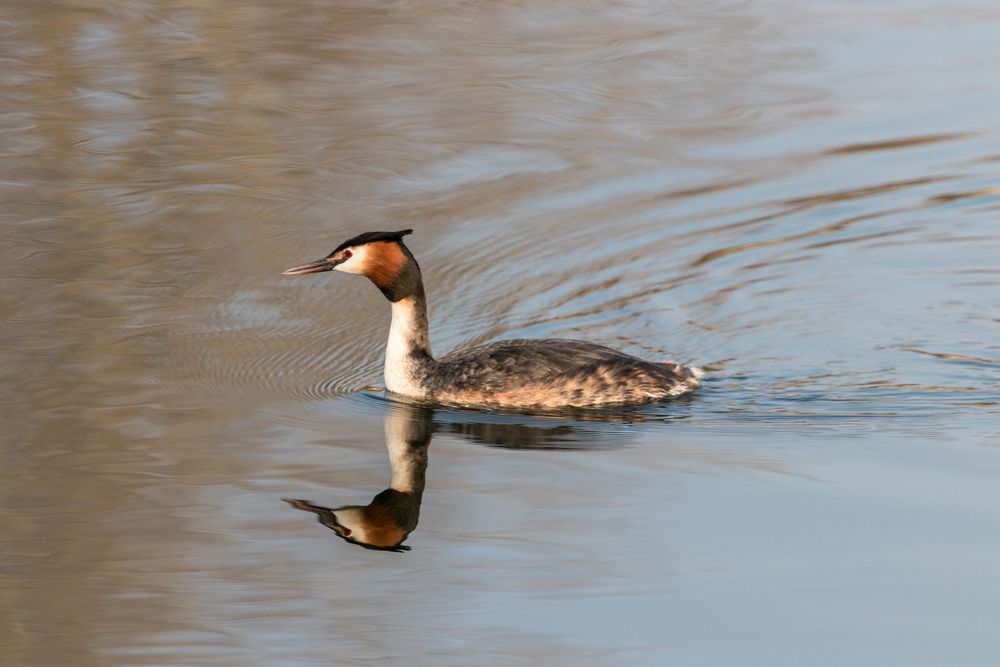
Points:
(802, 197)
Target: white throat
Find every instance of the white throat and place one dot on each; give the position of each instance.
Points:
(405, 334)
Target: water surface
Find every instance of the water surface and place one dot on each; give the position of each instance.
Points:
(802, 199)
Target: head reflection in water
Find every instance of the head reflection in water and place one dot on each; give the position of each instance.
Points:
(392, 514)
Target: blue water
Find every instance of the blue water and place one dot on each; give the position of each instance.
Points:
(802, 200)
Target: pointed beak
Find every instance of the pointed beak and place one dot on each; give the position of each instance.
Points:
(311, 267)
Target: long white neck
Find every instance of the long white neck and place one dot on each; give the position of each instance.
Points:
(408, 350)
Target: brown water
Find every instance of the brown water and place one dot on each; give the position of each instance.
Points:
(802, 197)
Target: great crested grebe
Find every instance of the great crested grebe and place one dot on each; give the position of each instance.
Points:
(543, 373)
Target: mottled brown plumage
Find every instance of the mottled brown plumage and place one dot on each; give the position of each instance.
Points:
(547, 373)
(552, 373)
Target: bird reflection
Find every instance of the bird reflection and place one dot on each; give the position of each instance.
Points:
(390, 517)
(392, 514)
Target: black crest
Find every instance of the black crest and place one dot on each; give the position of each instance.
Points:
(372, 237)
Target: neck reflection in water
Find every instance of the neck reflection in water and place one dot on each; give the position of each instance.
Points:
(391, 516)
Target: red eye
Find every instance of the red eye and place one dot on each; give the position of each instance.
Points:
(348, 254)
